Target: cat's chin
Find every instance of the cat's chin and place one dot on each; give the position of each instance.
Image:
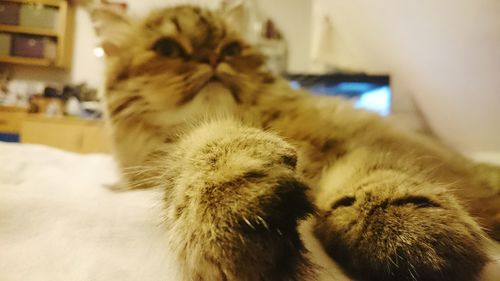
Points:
(216, 89)
(215, 93)
(213, 86)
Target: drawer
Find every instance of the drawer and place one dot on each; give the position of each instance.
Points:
(71, 134)
(10, 122)
(39, 16)
(28, 46)
(9, 13)
(55, 134)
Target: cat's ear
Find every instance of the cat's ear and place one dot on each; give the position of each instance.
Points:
(236, 15)
(111, 27)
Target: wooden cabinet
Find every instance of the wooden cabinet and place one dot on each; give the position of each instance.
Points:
(11, 119)
(73, 134)
(68, 133)
(61, 34)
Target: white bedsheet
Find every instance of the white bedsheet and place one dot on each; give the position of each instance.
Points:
(58, 221)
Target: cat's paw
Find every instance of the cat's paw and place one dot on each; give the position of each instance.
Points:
(236, 193)
(246, 172)
(390, 227)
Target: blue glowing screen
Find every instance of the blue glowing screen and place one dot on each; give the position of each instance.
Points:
(371, 96)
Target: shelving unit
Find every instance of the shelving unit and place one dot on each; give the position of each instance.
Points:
(53, 3)
(26, 61)
(62, 33)
(28, 30)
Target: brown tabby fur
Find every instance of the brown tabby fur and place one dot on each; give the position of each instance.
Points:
(241, 155)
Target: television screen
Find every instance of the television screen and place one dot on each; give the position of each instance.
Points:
(372, 93)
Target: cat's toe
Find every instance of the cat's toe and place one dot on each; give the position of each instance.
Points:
(410, 237)
(281, 209)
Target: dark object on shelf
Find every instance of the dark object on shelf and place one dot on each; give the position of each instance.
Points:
(51, 92)
(81, 91)
(70, 91)
(87, 93)
(45, 105)
(9, 13)
(28, 46)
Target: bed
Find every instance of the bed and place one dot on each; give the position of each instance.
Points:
(59, 221)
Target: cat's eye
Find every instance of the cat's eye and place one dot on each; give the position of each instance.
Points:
(417, 201)
(168, 47)
(343, 202)
(230, 50)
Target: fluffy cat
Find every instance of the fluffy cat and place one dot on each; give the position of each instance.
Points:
(243, 158)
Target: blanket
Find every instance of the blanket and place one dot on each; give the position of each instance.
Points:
(60, 222)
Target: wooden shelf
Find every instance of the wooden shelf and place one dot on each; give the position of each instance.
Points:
(54, 3)
(28, 30)
(62, 32)
(26, 60)
(10, 108)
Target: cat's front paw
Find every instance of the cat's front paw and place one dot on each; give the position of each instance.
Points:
(382, 230)
(245, 173)
(236, 200)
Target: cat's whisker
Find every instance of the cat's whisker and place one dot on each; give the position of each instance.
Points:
(263, 222)
(412, 271)
(242, 239)
(248, 222)
(137, 170)
(152, 181)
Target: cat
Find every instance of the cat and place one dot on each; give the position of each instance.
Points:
(243, 159)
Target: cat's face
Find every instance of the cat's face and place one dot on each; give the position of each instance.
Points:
(179, 61)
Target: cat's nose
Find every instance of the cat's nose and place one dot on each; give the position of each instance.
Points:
(211, 60)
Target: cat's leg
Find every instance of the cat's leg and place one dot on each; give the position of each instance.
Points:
(382, 219)
(233, 201)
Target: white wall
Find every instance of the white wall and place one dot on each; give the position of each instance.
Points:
(293, 17)
(86, 67)
(446, 51)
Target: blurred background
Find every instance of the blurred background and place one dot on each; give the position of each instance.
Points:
(431, 65)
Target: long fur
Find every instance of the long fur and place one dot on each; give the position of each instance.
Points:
(243, 158)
